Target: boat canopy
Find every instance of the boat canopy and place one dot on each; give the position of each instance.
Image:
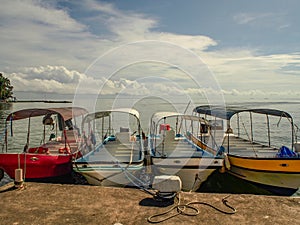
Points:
(156, 117)
(105, 113)
(65, 112)
(228, 111)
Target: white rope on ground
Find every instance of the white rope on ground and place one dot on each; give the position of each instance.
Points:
(189, 210)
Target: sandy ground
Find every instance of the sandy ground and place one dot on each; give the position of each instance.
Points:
(40, 203)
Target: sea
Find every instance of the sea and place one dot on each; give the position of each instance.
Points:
(146, 107)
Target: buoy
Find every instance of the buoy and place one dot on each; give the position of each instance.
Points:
(18, 178)
(226, 162)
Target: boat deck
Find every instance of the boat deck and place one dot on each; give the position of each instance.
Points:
(54, 146)
(243, 147)
(116, 151)
(179, 147)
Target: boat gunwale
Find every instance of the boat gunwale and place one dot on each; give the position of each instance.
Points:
(108, 162)
(187, 167)
(262, 158)
(264, 171)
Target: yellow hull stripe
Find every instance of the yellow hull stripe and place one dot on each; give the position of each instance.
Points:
(291, 165)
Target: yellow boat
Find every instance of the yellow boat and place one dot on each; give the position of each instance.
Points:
(276, 169)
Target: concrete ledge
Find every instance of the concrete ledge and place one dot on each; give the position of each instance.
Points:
(40, 203)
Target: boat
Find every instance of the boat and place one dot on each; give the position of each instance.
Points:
(117, 155)
(253, 153)
(44, 147)
(172, 153)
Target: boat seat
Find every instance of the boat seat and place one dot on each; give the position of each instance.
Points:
(64, 150)
(123, 137)
(169, 136)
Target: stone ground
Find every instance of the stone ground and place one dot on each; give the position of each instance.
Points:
(40, 203)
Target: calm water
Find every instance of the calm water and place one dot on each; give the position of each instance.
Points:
(147, 107)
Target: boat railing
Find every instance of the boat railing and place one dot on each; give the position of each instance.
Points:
(244, 147)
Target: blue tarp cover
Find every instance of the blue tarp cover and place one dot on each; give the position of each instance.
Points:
(285, 152)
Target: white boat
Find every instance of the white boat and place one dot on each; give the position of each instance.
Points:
(116, 156)
(172, 153)
(251, 152)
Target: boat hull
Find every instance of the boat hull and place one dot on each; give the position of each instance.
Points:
(110, 175)
(278, 175)
(36, 166)
(192, 171)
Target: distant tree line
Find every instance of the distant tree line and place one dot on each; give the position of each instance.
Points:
(6, 89)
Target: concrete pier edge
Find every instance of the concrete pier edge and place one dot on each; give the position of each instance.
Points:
(41, 203)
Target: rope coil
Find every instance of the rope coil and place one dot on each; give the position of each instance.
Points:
(189, 210)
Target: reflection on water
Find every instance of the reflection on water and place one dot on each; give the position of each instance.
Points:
(5, 108)
(5, 105)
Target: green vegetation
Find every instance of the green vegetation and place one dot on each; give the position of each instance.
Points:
(5, 88)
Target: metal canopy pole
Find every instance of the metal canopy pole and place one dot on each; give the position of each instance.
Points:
(109, 124)
(228, 126)
(238, 123)
(176, 126)
(154, 137)
(164, 137)
(251, 127)
(269, 136)
(192, 125)
(28, 136)
(292, 125)
(102, 129)
(44, 134)
(6, 137)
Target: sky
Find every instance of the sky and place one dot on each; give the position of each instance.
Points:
(249, 48)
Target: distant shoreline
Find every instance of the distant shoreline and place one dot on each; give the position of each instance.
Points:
(44, 101)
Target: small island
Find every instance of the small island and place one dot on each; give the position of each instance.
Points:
(6, 90)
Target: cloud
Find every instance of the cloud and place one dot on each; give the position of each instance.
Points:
(56, 73)
(56, 79)
(191, 42)
(129, 26)
(59, 79)
(45, 48)
(30, 12)
(37, 33)
(34, 33)
(263, 20)
(52, 79)
(246, 70)
(125, 25)
(246, 18)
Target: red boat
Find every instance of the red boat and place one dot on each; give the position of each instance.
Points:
(41, 158)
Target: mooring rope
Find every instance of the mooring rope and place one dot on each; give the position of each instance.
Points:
(189, 210)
